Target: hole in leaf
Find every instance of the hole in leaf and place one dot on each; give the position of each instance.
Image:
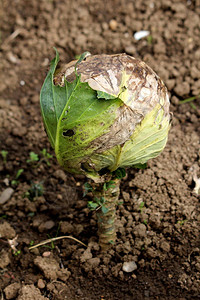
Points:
(83, 167)
(68, 132)
(104, 171)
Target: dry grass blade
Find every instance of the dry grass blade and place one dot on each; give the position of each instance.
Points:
(12, 36)
(56, 239)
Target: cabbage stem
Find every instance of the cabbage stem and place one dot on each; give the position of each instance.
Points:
(108, 195)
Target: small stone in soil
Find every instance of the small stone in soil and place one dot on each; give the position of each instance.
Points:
(59, 174)
(129, 266)
(46, 254)
(41, 284)
(46, 225)
(113, 25)
(130, 49)
(5, 195)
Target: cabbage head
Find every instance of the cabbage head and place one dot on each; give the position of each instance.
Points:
(104, 112)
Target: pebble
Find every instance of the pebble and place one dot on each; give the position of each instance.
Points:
(129, 266)
(6, 195)
(46, 254)
(130, 50)
(60, 174)
(41, 284)
(46, 225)
(22, 82)
(141, 34)
(113, 25)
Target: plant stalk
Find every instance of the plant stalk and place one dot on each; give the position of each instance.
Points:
(106, 213)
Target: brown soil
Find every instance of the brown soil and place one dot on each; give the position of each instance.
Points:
(159, 221)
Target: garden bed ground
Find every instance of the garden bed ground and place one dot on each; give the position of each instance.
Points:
(158, 223)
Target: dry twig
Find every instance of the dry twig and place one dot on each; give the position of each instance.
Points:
(56, 239)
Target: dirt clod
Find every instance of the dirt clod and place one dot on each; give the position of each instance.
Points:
(7, 231)
(86, 255)
(30, 292)
(11, 291)
(140, 230)
(49, 266)
(4, 259)
(46, 225)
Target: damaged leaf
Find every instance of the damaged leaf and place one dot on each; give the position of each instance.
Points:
(104, 112)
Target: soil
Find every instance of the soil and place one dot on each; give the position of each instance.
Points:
(159, 220)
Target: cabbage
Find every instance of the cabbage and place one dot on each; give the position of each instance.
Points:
(104, 112)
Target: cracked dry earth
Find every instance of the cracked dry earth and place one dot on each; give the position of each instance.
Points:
(158, 222)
